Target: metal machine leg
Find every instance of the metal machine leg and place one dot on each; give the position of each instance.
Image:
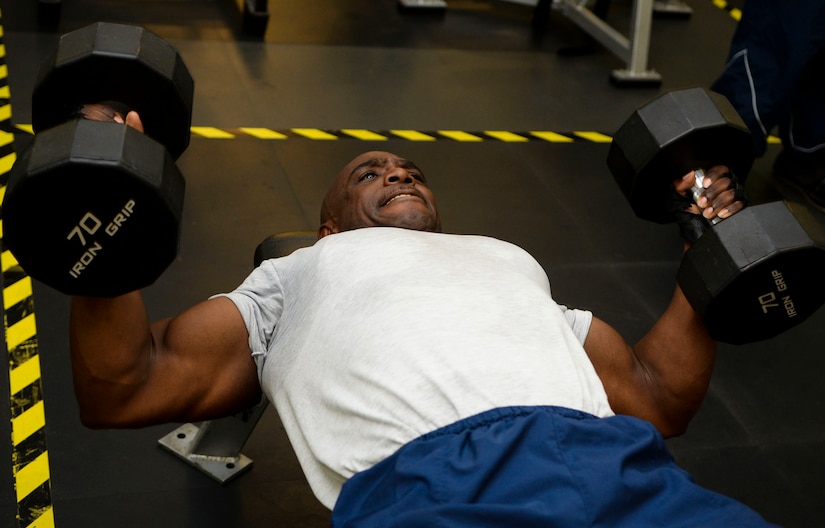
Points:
(214, 447)
(632, 50)
(255, 17)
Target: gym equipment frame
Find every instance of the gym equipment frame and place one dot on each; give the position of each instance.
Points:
(632, 49)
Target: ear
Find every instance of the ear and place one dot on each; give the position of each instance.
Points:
(327, 228)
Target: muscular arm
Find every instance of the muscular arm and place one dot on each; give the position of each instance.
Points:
(664, 377)
(129, 372)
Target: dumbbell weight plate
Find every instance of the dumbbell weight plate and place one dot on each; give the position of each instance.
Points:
(758, 274)
(670, 136)
(94, 209)
(122, 63)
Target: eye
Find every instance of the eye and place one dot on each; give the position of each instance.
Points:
(369, 175)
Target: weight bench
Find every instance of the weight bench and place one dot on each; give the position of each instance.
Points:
(214, 446)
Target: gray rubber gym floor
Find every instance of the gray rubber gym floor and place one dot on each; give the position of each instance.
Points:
(361, 64)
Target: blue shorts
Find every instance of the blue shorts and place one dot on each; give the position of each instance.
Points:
(534, 467)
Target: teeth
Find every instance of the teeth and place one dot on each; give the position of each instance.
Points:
(396, 197)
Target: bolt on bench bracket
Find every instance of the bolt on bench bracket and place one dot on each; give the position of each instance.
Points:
(214, 447)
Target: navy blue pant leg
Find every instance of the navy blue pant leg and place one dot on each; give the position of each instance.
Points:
(774, 74)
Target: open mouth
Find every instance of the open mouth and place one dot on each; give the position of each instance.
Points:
(400, 196)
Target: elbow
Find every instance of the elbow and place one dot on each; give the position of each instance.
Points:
(671, 430)
(95, 420)
(96, 410)
(95, 415)
(673, 424)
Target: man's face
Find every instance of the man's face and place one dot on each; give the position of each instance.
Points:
(379, 189)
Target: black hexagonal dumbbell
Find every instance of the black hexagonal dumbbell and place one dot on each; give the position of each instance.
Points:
(757, 274)
(121, 63)
(94, 208)
(750, 277)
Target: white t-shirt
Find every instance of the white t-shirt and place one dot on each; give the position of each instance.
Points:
(374, 337)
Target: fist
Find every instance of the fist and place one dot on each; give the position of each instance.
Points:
(716, 196)
(102, 112)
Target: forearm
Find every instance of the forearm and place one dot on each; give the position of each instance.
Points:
(111, 351)
(664, 377)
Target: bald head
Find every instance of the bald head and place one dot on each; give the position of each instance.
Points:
(379, 189)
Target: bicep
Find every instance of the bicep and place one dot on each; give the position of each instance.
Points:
(623, 376)
(202, 364)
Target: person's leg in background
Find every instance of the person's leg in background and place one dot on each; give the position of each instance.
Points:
(774, 77)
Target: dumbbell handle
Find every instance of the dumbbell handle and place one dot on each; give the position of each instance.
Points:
(102, 111)
(698, 189)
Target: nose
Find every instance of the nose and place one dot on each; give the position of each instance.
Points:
(398, 175)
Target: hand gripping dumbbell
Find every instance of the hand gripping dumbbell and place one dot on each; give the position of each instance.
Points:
(750, 277)
(94, 208)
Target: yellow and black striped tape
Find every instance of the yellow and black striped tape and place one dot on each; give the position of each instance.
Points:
(406, 135)
(733, 11)
(319, 134)
(361, 134)
(30, 457)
